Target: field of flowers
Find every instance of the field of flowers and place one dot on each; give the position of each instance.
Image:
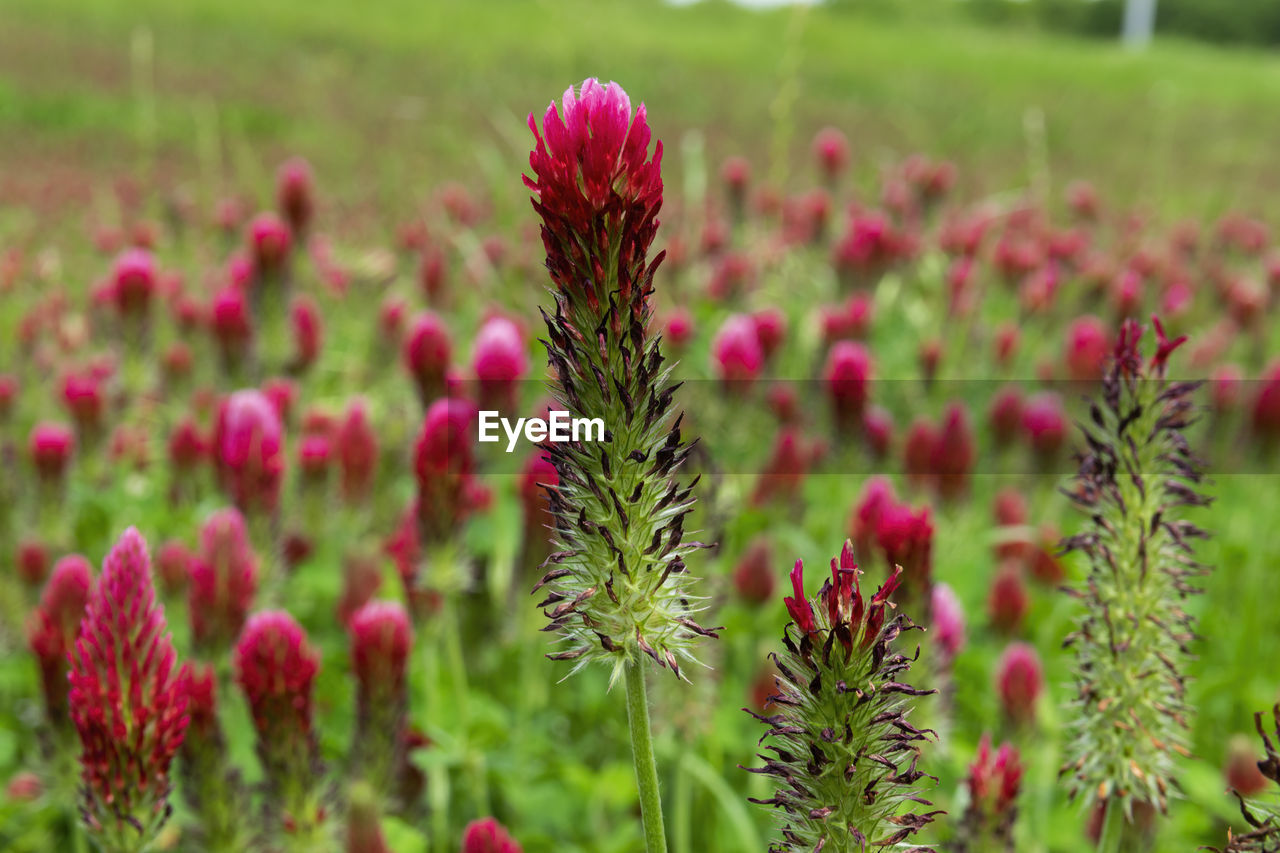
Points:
(933, 507)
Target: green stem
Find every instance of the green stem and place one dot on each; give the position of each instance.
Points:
(655, 837)
(1112, 829)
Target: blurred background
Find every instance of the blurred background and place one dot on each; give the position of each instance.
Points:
(387, 98)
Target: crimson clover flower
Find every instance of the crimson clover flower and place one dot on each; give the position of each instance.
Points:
(993, 782)
(598, 193)
(53, 629)
(381, 638)
(248, 445)
(127, 701)
(223, 581)
(618, 586)
(276, 667)
(842, 749)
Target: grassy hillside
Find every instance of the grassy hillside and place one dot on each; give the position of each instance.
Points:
(400, 96)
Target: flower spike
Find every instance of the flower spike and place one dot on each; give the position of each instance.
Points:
(128, 702)
(842, 749)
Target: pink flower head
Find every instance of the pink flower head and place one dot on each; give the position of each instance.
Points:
(831, 149)
(994, 781)
(487, 836)
(594, 188)
(187, 445)
(380, 641)
(1004, 415)
(736, 174)
(1225, 386)
(870, 246)
(771, 329)
(948, 621)
(444, 463)
(1045, 425)
(1087, 348)
(954, 453)
(173, 564)
(8, 393)
(1020, 680)
(1082, 198)
(785, 470)
(32, 561)
(732, 275)
(24, 787)
(679, 327)
(295, 194)
(52, 631)
(431, 272)
(314, 454)
(308, 331)
(737, 352)
(51, 446)
(269, 245)
(224, 579)
(847, 376)
(133, 281)
(127, 701)
(229, 321)
(361, 579)
(357, 451)
(797, 604)
(753, 575)
(276, 666)
(1007, 337)
(201, 687)
(877, 431)
(248, 443)
(1007, 602)
(85, 400)
(930, 356)
(282, 392)
(426, 355)
(905, 537)
(919, 450)
(877, 494)
(851, 618)
(1165, 347)
(500, 360)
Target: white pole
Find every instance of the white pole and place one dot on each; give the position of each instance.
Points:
(1139, 23)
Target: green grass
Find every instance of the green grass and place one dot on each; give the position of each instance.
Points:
(404, 95)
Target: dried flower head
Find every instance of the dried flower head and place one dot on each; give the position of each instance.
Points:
(1136, 479)
(1262, 814)
(842, 748)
